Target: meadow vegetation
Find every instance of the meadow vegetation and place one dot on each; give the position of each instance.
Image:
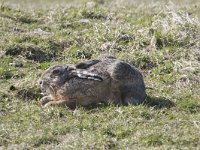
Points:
(161, 38)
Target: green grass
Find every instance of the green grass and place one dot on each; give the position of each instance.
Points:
(160, 38)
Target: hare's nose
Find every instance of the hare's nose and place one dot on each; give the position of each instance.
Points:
(40, 82)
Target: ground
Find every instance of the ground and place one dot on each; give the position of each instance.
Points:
(161, 38)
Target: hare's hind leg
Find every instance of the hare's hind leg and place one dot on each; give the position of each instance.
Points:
(131, 94)
(134, 98)
(115, 98)
(132, 101)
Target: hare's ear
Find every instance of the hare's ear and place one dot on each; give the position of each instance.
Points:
(56, 72)
(86, 64)
(89, 76)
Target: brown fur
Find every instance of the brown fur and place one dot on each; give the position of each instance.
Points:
(104, 80)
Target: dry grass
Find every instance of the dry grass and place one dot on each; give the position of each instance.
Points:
(161, 38)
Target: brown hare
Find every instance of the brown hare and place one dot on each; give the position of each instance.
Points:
(103, 80)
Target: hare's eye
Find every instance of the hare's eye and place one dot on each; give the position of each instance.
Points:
(56, 72)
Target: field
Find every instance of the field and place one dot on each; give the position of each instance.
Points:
(161, 38)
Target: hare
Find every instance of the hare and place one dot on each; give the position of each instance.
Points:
(103, 80)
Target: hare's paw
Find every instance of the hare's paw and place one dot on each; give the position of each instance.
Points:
(71, 105)
(43, 101)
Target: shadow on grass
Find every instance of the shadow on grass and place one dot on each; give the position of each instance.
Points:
(158, 102)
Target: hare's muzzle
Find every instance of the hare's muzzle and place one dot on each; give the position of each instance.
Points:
(41, 84)
(42, 87)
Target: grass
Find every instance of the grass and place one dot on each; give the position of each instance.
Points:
(160, 38)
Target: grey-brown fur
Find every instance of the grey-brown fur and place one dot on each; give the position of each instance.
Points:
(103, 80)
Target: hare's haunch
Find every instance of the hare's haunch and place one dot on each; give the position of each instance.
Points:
(103, 80)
